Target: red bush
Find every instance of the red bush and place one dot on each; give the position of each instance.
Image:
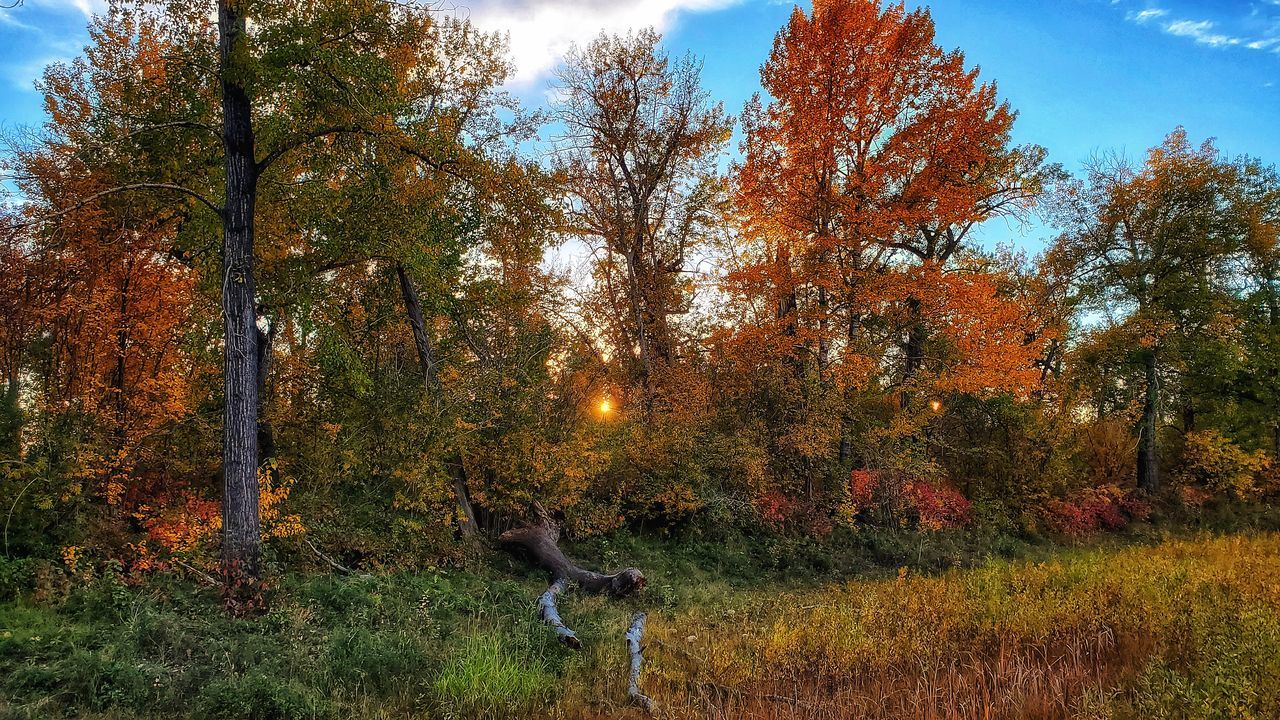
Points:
(1090, 510)
(938, 507)
(934, 506)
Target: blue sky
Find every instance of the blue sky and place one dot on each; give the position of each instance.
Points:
(1084, 75)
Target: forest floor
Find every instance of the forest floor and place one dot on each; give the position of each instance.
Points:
(1156, 624)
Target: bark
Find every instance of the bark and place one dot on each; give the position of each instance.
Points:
(824, 344)
(846, 439)
(540, 539)
(550, 614)
(1148, 463)
(634, 634)
(429, 365)
(467, 525)
(413, 311)
(240, 526)
(914, 349)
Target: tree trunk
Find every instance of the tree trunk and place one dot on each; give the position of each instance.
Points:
(429, 366)
(634, 635)
(240, 529)
(846, 442)
(467, 525)
(413, 311)
(540, 539)
(914, 349)
(1148, 463)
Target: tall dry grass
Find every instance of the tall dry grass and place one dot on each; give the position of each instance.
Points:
(1144, 632)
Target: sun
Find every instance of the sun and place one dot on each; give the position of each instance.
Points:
(606, 406)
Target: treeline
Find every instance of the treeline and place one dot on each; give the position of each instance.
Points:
(293, 275)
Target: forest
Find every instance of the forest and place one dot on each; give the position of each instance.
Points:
(302, 400)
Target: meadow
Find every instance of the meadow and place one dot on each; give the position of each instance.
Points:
(1159, 627)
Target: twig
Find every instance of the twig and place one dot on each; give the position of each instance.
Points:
(332, 563)
(9, 517)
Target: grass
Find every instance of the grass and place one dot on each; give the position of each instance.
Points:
(1172, 628)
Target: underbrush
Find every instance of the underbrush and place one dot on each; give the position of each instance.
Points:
(936, 626)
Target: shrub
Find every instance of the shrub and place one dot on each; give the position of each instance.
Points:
(1090, 510)
(929, 505)
(1213, 461)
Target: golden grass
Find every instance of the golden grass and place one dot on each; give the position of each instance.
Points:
(1141, 632)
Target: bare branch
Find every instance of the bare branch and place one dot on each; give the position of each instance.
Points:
(119, 189)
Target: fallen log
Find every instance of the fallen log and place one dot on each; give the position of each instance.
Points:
(540, 541)
(634, 634)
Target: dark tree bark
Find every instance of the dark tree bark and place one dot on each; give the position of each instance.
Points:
(914, 349)
(1148, 463)
(241, 539)
(539, 540)
(413, 312)
(429, 365)
(467, 526)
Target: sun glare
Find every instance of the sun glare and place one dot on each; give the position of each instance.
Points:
(606, 406)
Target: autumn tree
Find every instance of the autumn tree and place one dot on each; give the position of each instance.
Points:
(876, 147)
(638, 155)
(865, 169)
(241, 118)
(1149, 245)
(1256, 201)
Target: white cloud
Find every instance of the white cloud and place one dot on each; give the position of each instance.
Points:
(541, 31)
(1258, 29)
(1145, 15)
(1202, 32)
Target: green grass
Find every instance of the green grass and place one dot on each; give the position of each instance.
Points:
(464, 642)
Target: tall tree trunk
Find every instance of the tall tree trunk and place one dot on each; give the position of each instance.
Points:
(241, 539)
(1148, 463)
(429, 365)
(824, 343)
(413, 311)
(914, 348)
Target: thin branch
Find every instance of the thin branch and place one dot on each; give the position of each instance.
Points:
(206, 577)
(550, 614)
(330, 561)
(125, 188)
(634, 634)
